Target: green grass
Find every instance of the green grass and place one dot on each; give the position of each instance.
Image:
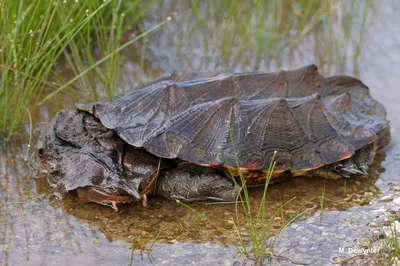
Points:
(257, 226)
(143, 250)
(262, 240)
(322, 200)
(390, 249)
(36, 34)
(383, 245)
(394, 245)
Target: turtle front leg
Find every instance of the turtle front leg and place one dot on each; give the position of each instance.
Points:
(191, 182)
(359, 163)
(365, 157)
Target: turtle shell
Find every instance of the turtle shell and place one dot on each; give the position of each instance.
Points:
(239, 119)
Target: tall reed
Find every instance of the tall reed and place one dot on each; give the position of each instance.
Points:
(35, 34)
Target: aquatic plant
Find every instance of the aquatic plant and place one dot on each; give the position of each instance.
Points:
(261, 238)
(35, 35)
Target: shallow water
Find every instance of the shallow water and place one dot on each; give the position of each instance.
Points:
(37, 230)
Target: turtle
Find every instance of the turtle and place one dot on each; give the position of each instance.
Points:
(189, 136)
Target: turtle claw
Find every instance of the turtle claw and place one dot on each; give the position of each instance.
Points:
(353, 171)
(144, 202)
(343, 175)
(114, 206)
(363, 170)
(347, 170)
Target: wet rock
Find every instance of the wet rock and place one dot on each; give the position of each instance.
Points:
(386, 198)
(364, 242)
(339, 259)
(300, 228)
(392, 230)
(368, 194)
(372, 224)
(382, 235)
(397, 201)
(395, 188)
(348, 197)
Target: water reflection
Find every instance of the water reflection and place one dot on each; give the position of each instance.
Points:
(258, 35)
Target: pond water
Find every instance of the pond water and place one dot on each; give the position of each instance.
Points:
(35, 229)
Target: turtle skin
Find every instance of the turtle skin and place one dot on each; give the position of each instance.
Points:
(221, 123)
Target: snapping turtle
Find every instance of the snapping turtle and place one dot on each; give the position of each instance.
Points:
(181, 134)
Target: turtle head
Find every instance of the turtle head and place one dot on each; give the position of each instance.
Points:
(82, 157)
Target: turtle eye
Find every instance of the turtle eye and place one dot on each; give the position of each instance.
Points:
(113, 188)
